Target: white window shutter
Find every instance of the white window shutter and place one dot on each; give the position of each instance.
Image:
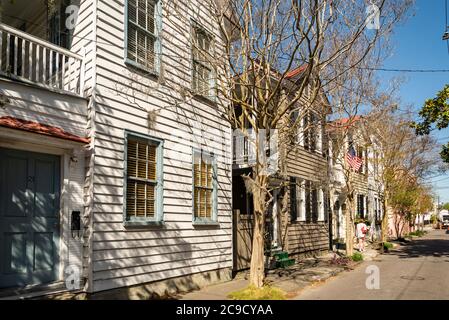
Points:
(274, 153)
(320, 205)
(302, 212)
(301, 132)
(319, 144)
(252, 140)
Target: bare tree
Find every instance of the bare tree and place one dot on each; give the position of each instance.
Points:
(267, 61)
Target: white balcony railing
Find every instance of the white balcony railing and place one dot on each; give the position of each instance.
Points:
(30, 59)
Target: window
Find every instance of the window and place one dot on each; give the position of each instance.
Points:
(312, 132)
(142, 41)
(203, 82)
(143, 179)
(378, 209)
(361, 153)
(293, 199)
(311, 203)
(361, 206)
(204, 187)
(297, 199)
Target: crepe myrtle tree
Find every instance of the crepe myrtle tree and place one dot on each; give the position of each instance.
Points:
(265, 41)
(406, 162)
(244, 68)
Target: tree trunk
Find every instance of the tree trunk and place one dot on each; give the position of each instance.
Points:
(257, 269)
(349, 228)
(384, 226)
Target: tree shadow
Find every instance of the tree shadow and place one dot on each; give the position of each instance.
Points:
(423, 248)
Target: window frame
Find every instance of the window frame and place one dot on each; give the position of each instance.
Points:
(159, 190)
(212, 96)
(214, 218)
(157, 39)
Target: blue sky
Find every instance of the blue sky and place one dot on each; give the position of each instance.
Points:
(418, 45)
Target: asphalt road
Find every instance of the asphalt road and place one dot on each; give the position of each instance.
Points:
(416, 271)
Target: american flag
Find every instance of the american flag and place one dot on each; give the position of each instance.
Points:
(354, 162)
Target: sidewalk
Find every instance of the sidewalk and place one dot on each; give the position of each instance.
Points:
(293, 280)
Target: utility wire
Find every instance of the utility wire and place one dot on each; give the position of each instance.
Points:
(406, 70)
(177, 56)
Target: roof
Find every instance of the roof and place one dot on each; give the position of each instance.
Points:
(295, 72)
(39, 128)
(345, 122)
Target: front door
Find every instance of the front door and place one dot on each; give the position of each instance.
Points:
(29, 218)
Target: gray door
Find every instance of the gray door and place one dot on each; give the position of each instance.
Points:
(29, 218)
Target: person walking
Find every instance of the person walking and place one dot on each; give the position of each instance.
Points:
(361, 231)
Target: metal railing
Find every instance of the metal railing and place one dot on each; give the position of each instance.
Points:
(30, 59)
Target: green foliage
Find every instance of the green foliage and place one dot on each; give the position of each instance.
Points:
(435, 113)
(418, 233)
(253, 293)
(357, 257)
(445, 206)
(388, 245)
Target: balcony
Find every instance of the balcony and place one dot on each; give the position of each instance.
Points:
(27, 58)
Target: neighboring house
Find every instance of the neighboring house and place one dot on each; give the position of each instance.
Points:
(348, 138)
(95, 123)
(297, 220)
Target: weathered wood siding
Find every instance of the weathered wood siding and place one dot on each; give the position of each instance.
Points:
(122, 256)
(306, 238)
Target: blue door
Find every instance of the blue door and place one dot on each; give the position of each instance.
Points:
(29, 218)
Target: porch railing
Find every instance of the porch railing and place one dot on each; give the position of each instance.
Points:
(30, 59)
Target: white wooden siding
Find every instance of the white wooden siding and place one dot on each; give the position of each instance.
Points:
(125, 257)
(69, 113)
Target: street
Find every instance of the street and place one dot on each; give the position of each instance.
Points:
(417, 271)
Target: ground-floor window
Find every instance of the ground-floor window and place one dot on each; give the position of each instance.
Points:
(143, 178)
(361, 202)
(204, 187)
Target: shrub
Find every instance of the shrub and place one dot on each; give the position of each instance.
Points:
(388, 245)
(253, 293)
(418, 233)
(357, 257)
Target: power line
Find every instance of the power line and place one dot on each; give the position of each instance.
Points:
(406, 70)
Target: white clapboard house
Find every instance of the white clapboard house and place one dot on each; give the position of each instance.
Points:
(114, 162)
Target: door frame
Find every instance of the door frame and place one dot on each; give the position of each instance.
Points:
(65, 159)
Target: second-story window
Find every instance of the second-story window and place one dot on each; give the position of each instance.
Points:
(203, 81)
(312, 132)
(143, 34)
(361, 154)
